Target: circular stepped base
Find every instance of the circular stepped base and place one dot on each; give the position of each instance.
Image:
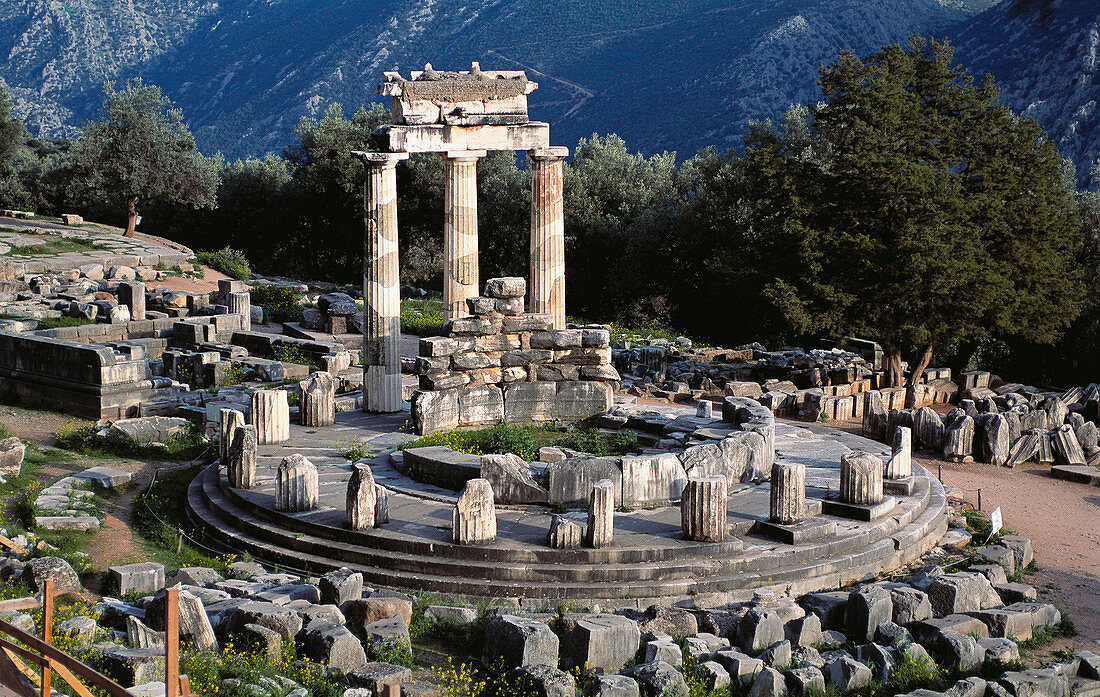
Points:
(411, 556)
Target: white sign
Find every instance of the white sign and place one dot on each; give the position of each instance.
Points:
(995, 521)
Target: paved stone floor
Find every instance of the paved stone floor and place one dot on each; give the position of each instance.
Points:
(111, 247)
(424, 510)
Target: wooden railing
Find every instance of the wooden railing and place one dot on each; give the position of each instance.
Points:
(22, 648)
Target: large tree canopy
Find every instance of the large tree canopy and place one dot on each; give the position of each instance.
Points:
(141, 149)
(921, 209)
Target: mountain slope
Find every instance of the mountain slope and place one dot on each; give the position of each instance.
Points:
(1046, 57)
(664, 74)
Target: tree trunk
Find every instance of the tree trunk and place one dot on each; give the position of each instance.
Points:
(131, 217)
(962, 358)
(893, 366)
(925, 359)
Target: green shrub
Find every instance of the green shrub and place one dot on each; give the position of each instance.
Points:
(292, 353)
(526, 440)
(229, 261)
(280, 304)
(422, 317)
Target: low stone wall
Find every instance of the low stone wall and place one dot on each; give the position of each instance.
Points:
(93, 382)
(503, 365)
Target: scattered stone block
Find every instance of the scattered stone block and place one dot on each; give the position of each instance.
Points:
(959, 651)
(616, 686)
(769, 682)
(12, 451)
(389, 631)
(759, 629)
(665, 651)
(659, 679)
(513, 641)
(143, 577)
(806, 680)
(340, 586)
(601, 642)
(512, 480)
(374, 676)
(909, 605)
(845, 673)
(131, 667)
(332, 645)
(564, 534)
(38, 571)
(867, 608)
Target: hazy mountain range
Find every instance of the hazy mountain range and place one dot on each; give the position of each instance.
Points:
(664, 74)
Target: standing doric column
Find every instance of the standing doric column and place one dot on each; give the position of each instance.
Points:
(703, 509)
(860, 479)
(601, 515)
(460, 272)
(271, 416)
(230, 420)
(317, 405)
(547, 234)
(900, 464)
(240, 303)
(788, 493)
(381, 285)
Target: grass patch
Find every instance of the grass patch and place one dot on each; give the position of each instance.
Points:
(1042, 636)
(422, 317)
(526, 440)
(53, 244)
(52, 322)
(82, 437)
(159, 514)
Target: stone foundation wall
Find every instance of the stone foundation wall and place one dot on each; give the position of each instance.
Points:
(503, 365)
(93, 382)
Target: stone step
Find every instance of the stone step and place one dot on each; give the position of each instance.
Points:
(226, 510)
(303, 552)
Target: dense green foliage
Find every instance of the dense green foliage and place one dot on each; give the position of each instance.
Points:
(231, 262)
(909, 207)
(919, 210)
(141, 149)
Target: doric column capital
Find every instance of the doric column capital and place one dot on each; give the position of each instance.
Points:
(381, 160)
(463, 156)
(548, 154)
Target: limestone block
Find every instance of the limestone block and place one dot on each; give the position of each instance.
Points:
(867, 608)
(525, 402)
(317, 406)
(381, 505)
(769, 682)
(193, 621)
(666, 651)
(652, 479)
(1021, 548)
(230, 419)
(576, 401)
(142, 577)
(506, 287)
(962, 651)
(960, 592)
(12, 451)
(600, 643)
(788, 493)
(512, 479)
(338, 587)
(845, 673)
(296, 485)
(240, 468)
(760, 457)
(860, 479)
(928, 428)
(910, 605)
(480, 405)
(900, 464)
(38, 571)
(563, 534)
(365, 611)
(759, 629)
(361, 503)
(571, 480)
(332, 645)
(994, 439)
(474, 520)
(512, 641)
(601, 515)
(271, 416)
(543, 681)
(132, 295)
(1067, 451)
(958, 435)
(436, 411)
(703, 509)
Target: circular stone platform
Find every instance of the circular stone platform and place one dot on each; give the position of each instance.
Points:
(648, 561)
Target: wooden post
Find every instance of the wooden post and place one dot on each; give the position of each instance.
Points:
(179, 540)
(391, 690)
(172, 643)
(47, 632)
(185, 686)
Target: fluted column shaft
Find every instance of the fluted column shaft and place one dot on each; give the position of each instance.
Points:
(381, 285)
(788, 493)
(547, 294)
(240, 303)
(460, 268)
